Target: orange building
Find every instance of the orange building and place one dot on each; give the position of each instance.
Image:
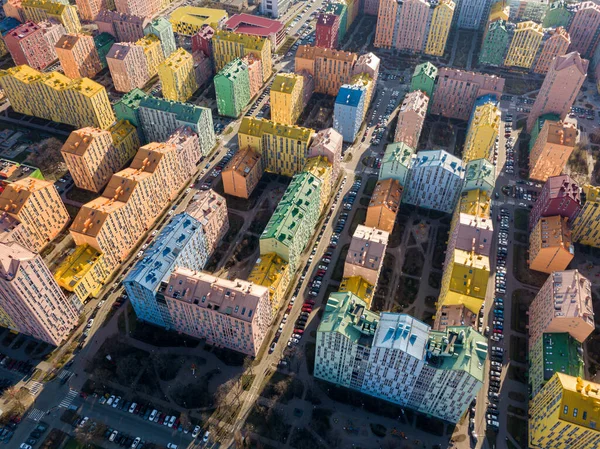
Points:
(32, 213)
(242, 173)
(551, 150)
(128, 66)
(555, 45)
(78, 56)
(329, 68)
(550, 247)
(93, 155)
(384, 205)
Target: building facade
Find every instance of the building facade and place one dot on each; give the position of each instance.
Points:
(349, 110)
(550, 247)
(128, 66)
(366, 253)
(482, 132)
(396, 163)
(327, 31)
(177, 76)
(232, 88)
(524, 45)
(228, 46)
(551, 150)
(210, 209)
(583, 28)
(423, 78)
(560, 195)
(286, 98)
(242, 173)
(384, 205)
(411, 117)
(556, 44)
(27, 45)
(586, 227)
(78, 56)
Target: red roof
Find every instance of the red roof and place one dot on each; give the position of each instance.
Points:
(249, 24)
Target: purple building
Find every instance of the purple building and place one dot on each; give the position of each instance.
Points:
(559, 196)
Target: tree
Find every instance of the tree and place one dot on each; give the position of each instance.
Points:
(47, 157)
(127, 369)
(281, 387)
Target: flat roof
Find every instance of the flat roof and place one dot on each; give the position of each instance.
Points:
(249, 24)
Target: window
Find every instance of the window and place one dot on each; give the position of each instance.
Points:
(584, 417)
(566, 409)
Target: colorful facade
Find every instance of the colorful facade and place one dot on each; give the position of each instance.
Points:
(550, 247)
(320, 167)
(551, 150)
(583, 27)
(358, 287)
(177, 76)
(163, 30)
(89, 9)
(480, 174)
(103, 43)
(328, 143)
(482, 132)
(349, 110)
(188, 20)
(228, 46)
(526, 40)
(128, 66)
(78, 56)
(272, 272)
(556, 44)
(210, 209)
(286, 98)
(327, 30)
(124, 27)
(366, 253)
(27, 45)
(153, 52)
(559, 14)
(559, 196)
(411, 117)
(273, 30)
(40, 10)
(384, 205)
(439, 28)
(495, 43)
(243, 172)
(586, 227)
(396, 163)
(330, 68)
(423, 78)
(232, 88)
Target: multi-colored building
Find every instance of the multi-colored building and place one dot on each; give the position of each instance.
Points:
(128, 66)
(384, 205)
(320, 167)
(283, 148)
(556, 43)
(560, 87)
(210, 209)
(456, 92)
(6, 25)
(482, 132)
(78, 56)
(30, 300)
(560, 195)
(328, 143)
(232, 88)
(399, 359)
(411, 117)
(339, 9)
(163, 30)
(564, 413)
(273, 30)
(524, 45)
(242, 173)
(188, 20)
(434, 181)
(153, 52)
(22, 205)
(93, 155)
(366, 253)
(396, 163)
(27, 45)
(272, 272)
(53, 96)
(423, 78)
(586, 227)
(551, 149)
(228, 46)
(292, 224)
(181, 243)
(439, 27)
(177, 76)
(349, 111)
(286, 98)
(550, 247)
(40, 10)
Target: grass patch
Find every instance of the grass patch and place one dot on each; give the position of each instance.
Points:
(268, 423)
(521, 300)
(338, 270)
(518, 430)
(413, 262)
(370, 185)
(521, 268)
(518, 349)
(522, 219)
(359, 218)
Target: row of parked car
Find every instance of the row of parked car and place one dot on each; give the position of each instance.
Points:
(34, 436)
(510, 152)
(16, 365)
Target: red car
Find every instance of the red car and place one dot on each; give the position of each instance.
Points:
(161, 419)
(176, 423)
(307, 309)
(298, 331)
(310, 301)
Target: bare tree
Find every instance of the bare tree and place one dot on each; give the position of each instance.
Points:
(48, 159)
(238, 440)
(248, 366)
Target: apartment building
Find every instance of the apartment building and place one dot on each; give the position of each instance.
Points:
(482, 132)
(586, 226)
(228, 46)
(583, 28)
(397, 162)
(41, 10)
(327, 30)
(384, 205)
(27, 45)
(495, 43)
(561, 196)
(423, 79)
(286, 98)
(153, 52)
(103, 43)
(89, 9)
(128, 66)
(471, 14)
(320, 167)
(550, 247)
(232, 88)
(273, 30)
(366, 253)
(330, 68)
(328, 143)
(272, 272)
(210, 209)
(359, 287)
(349, 110)
(551, 148)
(163, 30)
(177, 76)
(524, 45)
(556, 44)
(439, 27)
(124, 27)
(242, 174)
(480, 174)
(411, 117)
(188, 20)
(78, 56)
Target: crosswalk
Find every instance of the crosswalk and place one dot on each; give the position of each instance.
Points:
(36, 414)
(68, 399)
(34, 387)
(64, 373)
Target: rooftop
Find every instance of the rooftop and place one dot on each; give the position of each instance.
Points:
(284, 82)
(251, 24)
(311, 52)
(402, 332)
(16, 195)
(387, 193)
(184, 112)
(268, 271)
(439, 158)
(553, 232)
(259, 126)
(582, 395)
(475, 202)
(350, 95)
(77, 266)
(250, 42)
(563, 354)
(243, 162)
(572, 295)
(197, 16)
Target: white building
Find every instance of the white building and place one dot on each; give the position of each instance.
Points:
(435, 181)
(275, 8)
(399, 359)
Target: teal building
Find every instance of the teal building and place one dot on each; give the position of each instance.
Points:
(423, 79)
(232, 88)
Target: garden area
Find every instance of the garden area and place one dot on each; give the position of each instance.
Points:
(413, 262)
(521, 300)
(522, 219)
(282, 388)
(268, 423)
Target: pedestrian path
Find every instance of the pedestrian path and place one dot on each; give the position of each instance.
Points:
(64, 373)
(34, 387)
(36, 414)
(68, 399)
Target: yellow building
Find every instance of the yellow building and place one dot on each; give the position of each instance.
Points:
(499, 11)
(152, 51)
(474, 202)
(286, 98)
(228, 46)
(360, 287)
(283, 148)
(363, 79)
(41, 10)
(565, 414)
(83, 273)
(524, 45)
(441, 22)
(586, 227)
(177, 76)
(125, 137)
(188, 20)
(272, 272)
(322, 169)
(53, 96)
(465, 280)
(482, 133)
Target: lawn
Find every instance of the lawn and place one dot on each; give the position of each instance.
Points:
(520, 86)
(518, 349)
(521, 268)
(521, 299)
(338, 270)
(522, 219)
(518, 430)
(370, 186)
(359, 218)
(413, 262)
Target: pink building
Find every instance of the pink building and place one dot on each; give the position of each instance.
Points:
(326, 33)
(89, 9)
(371, 7)
(386, 22)
(14, 9)
(457, 90)
(584, 28)
(188, 148)
(78, 56)
(563, 304)
(411, 117)
(202, 40)
(228, 314)
(559, 196)
(412, 25)
(53, 31)
(203, 67)
(31, 298)
(560, 88)
(210, 209)
(27, 45)
(470, 233)
(368, 63)
(140, 8)
(366, 254)
(254, 73)
(328, 142)
(128, 66)
(556, 45)
(124, 27)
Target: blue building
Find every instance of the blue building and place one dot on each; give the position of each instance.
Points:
(183, 244)
(349, 111)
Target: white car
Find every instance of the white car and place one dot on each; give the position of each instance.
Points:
(153, 415)
(196, 431)
(113, 436)
(206, 436)
(110, 400)
(172, 420)
(135, 443)
(132, 408)
(166, 421)
(25, 446)
(116, 402)
(171, 446)
(84, 421)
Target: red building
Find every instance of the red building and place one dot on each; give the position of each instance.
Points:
(257, 26)
(559, 196)
(27, 45)
(328, 26)
(202, 41)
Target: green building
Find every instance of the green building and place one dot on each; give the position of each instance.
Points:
(294, 221)
(232, 88)
(537, 127)
(552, 353)
(163, 30)
(397, 162)
(103, 42)
(423, 79)
(557, 15)
(127, 107)
(340, 9)
(480, 174)
(495, 44)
